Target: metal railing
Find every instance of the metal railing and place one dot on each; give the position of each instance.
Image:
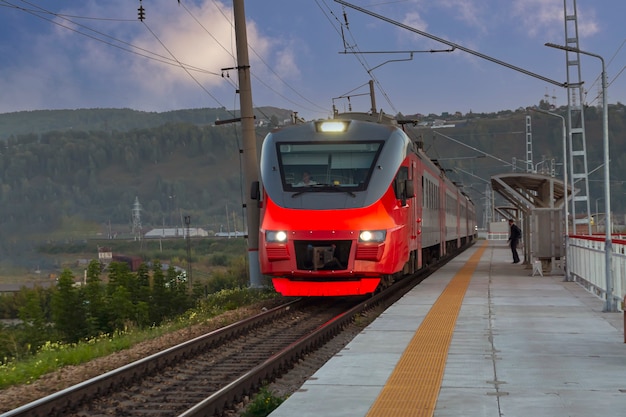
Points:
(497, 236)
(586, 263)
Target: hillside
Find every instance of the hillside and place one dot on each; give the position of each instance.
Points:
(61, 183)
(117, 120)
(65, 184)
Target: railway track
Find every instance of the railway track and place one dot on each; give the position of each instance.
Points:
(207, 375)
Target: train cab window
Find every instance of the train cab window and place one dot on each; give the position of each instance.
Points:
(328, 166)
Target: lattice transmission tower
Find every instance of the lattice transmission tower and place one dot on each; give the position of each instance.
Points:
(136, 215)
(581, 213)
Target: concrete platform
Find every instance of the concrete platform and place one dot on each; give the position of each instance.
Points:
(522, 346)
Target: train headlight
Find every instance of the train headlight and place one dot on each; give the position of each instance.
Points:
(275, 236)
(332, 126)
(377, 236)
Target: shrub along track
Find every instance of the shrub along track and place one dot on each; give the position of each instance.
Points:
(210, 374)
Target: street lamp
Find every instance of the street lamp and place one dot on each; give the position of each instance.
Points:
(598, 199)
(597, 219)
(608, 306)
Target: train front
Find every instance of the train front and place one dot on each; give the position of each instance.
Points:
(328, 216)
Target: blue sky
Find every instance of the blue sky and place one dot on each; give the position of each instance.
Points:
(67, 54)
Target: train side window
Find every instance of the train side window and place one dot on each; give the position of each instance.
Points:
(399, 183)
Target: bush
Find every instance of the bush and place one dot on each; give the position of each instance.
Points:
(262, 404)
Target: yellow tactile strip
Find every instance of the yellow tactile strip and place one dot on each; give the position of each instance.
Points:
(413, 387)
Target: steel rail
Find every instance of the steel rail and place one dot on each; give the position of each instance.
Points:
(60, 402)
(248, 383)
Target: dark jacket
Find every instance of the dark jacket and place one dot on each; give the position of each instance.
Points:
(515, 234)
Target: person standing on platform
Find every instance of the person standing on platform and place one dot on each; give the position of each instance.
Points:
(514, 236)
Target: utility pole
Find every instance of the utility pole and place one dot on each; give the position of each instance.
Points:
(249, 151)
(187, 223)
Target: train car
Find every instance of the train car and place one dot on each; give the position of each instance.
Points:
(348, 206)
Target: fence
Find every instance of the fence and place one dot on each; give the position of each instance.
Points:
(586, 263)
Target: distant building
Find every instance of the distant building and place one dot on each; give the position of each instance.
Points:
(105, 254)
(133, 262)
(230, 234)
(174, 232)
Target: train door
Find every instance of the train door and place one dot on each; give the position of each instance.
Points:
(412, 218)
(459, 223)
(443, 217)
(417, 215)
(404, 190)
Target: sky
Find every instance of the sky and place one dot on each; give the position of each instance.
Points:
(305, 55)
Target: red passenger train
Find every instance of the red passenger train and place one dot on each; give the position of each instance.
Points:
(349, 205)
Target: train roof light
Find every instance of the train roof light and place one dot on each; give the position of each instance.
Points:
(329, 126)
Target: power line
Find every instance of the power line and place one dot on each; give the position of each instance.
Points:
(268, 66)
(355, 50)
(70, 22)
(40, 12)
(598, 78)
(183, 67)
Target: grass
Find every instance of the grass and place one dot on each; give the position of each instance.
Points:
(263, 403)
(53, 355)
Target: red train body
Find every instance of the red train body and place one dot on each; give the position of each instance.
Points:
(377, 208)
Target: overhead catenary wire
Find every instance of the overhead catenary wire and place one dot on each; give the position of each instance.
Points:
(71, 24)
(598, 78)
(288, 85)
(114, 42)
(354, 49)
(183, 67)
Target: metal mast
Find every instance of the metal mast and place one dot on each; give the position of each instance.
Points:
(576, 122)
(136, 219)
(488, 206)
(529, 145)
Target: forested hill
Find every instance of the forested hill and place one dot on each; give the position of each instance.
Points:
(119, 120)
(59, 182)
(66, 184)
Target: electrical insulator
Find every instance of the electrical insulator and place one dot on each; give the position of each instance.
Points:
(142, 14)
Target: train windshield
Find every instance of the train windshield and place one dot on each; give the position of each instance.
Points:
(340, 166)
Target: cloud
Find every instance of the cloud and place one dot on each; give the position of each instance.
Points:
(467, 11)
(446, 18)
(286, 65)
(126, 63)
(545, 18)
(415, 20)
(204, 43)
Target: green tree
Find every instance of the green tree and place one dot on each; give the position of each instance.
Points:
(159, 303)
(177, 288)
(68, 311)
(35, 329)
(122, 310)
(119, 275)
(95, 300)
(8, 344)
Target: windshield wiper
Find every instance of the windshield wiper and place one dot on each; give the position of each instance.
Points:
(320, 188)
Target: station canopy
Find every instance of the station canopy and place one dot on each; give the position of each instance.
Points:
(528, 191)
